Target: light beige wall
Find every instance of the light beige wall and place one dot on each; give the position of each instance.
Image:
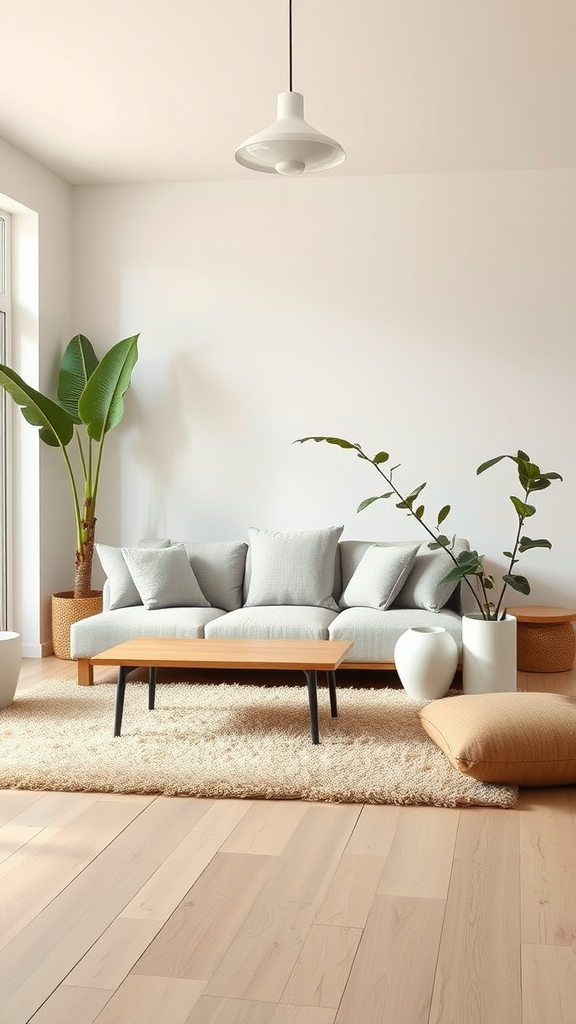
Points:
(433, 316)
(43, 540)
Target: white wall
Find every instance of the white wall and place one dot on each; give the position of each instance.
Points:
(43, 556)
(433, 316)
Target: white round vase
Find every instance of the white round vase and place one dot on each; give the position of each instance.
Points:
(10, 662)
(488, 654)
(426, 658)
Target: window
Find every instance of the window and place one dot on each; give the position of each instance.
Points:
(4, 454)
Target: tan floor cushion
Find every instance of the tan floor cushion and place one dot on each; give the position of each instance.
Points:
(526, 739)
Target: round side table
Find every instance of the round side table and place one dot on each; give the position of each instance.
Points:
(546, 639)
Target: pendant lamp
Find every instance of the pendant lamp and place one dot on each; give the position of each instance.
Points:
(290, 146)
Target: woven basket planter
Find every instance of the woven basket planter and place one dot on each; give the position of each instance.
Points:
(67, 609)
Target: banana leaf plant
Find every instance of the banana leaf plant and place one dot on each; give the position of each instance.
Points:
(468, 566)
(90, 404)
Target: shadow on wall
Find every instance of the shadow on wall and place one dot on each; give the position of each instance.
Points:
(163, 422)
(177, 409)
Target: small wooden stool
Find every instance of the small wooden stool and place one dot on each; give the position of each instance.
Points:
(546, 639)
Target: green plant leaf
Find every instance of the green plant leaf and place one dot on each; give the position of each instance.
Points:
(470, 558)
(455, 574)
(414, 494)
(526, 543)
(519, 583)
(490, 463)
(419, 511)
(329, 440)
(443, 514)
(56, 425)
(539, 485)
(524, 511)
(76, 367)
(508, 554)
(528, 475)
(101, 405)
(369, 501)
(441, 542)
(380, 458)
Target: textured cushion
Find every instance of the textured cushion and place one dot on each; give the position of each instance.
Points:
(164, 578)
(272, 622)
(379, 577)
(122, 592)
(423, 587)
(219, 568)
(99, 632)
(295, 568)
(525, 739)
(375, 635)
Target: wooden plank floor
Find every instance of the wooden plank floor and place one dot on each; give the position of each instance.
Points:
(154, 910)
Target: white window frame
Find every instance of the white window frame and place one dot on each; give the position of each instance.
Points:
(6, 593)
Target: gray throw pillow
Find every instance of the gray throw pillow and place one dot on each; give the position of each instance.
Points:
(122, 591)
(423, 588)
(295, 568)
(219, 568)
(379, 577)
(164, 578)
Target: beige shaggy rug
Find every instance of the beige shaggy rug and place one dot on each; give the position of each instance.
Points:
(231, 740)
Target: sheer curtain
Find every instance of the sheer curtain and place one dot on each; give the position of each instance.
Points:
(4, 452)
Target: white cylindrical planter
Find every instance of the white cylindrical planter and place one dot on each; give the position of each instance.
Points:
(488, 654)
(10, 661)
(426, 658)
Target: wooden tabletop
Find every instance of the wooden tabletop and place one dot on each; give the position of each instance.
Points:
(168, 652)
(542, 614)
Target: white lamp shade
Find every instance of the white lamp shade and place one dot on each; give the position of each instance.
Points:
(290, 145)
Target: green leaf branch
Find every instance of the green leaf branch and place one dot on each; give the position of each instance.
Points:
(90, 403)
(468, 566)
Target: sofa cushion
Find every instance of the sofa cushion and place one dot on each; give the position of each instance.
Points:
(374, 634)
(518, 738)
(379, 577)
(423, 587)
(219, 568)
(276, 622)
(294, 568)
(164, 577)
(99, 632)
(121, 590)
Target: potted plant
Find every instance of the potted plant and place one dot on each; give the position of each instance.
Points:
(468, 566)
(90, 403)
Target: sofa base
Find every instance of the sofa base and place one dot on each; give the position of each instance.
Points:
(86, 670)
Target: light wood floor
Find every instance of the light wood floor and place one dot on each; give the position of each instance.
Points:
(156, 910)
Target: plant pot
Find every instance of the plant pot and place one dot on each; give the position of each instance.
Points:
(67, 609)
(10, 662)
(426, 658)
(488, 654)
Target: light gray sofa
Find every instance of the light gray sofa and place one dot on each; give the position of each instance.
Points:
(298, 585)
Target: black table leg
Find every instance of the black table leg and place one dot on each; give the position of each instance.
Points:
(151, 688)
(332, 688)
(120, 691)
(313, 703)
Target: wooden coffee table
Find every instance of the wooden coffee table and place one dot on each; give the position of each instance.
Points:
(309, 656)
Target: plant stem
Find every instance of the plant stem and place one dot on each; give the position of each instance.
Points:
(422, 523)
(75, 499)
(513, 560)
